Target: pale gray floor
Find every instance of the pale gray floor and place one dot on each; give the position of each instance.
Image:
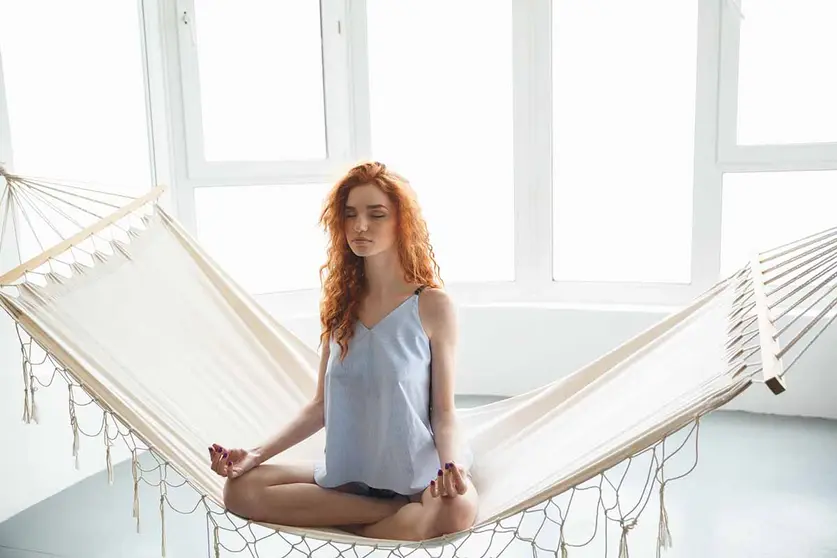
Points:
(764, 487)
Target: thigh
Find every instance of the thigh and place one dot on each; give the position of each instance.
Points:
(271, 474)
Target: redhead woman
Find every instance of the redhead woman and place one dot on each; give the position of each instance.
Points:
(395, 465)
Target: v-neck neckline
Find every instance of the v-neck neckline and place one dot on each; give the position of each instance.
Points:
(387, 315)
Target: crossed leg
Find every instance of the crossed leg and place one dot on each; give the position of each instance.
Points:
(287, 495)
(426, 517)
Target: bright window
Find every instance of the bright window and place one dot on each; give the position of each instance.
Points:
(787, 82)
(77, 109)
(261, 80)
(266, 237)
(764, 210)
(623, 139)
(441, 104)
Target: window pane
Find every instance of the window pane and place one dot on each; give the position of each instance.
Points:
(261, 75)
(787, 83)
(76, 109)
(765, 210)
(441, 101)
(623, 127)
(266, 237)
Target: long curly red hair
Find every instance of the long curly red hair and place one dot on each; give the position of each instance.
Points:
(342, 276)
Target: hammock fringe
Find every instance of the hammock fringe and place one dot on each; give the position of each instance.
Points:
(216, 543)
(108, 444)
(34, 413)
(27, 417)
(135, 511)
(74, 425)
(664, 535)
(623, 541)
(163, 520)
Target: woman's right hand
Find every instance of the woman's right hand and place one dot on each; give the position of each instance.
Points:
(231, 463)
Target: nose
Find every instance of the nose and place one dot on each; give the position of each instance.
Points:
(360, 224)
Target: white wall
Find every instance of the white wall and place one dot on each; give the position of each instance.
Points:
(504, 351)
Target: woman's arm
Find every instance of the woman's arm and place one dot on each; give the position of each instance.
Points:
(307, 423)
(438, 316)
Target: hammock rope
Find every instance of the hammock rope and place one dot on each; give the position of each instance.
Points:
(801, 269)
(73, 210)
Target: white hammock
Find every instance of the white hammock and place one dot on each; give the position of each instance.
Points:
(133, 312)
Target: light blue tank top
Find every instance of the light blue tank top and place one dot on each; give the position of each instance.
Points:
(377, 407)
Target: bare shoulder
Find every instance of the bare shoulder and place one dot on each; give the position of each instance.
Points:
(437, 311)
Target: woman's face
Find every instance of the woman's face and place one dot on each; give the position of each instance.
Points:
(370, 221)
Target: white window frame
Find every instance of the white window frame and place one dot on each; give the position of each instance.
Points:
(534, 183)
(6, 154)
(734, 157)
(532, 108)
(8, 257)
(171, 94)
(336, 87)
(754, 158)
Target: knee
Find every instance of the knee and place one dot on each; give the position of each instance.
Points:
(457, 514)
(238, 494)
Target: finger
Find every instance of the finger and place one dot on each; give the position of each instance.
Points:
(459, 483)
(224, 464)
(440, 483)
(238, 460)
(213, 456)
(217, 463)
(434, 489)
(449, 487)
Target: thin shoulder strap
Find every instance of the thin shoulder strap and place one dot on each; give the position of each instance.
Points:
(421, 288)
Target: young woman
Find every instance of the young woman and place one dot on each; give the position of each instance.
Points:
(395, 466)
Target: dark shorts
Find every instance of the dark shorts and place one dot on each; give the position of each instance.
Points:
(364, 490)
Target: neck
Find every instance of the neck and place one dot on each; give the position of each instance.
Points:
(384, 275)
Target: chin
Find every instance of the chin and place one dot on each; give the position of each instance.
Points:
(361, 250)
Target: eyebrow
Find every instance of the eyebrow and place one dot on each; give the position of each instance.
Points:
(375, 206)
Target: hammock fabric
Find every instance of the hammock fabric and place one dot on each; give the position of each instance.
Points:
(169, 346)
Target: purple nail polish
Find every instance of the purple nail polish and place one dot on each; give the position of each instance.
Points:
(229, 463)
(433, 483)
(440, 472)
(447, 465)
(225, 454)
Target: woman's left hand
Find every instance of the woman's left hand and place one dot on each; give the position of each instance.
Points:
(450, 482)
